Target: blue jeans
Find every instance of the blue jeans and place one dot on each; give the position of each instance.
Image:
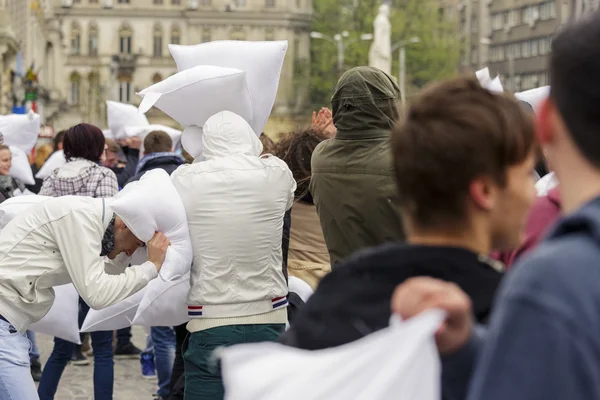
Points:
(123, 336)
(15, 376)
(34, 352)
(61, 355)
(162, 343)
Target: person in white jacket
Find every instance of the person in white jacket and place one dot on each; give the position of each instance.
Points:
(62, 240)
(235, 201)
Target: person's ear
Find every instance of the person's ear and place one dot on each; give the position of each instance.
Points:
(482, 192)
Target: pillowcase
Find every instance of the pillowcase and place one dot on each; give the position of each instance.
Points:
(20, 130)
(483, 76)
(20, 168)
(191, 97)
(62, 320)
(262, 62)
(164, 303)
(108, 134)
(143, 131)
(534, 97)
(495, 86)
(56, 160)
(117, 316)
(121, 115)
(12, 207)
(151, 205)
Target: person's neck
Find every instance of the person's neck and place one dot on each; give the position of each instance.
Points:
(476, 242)
(580, 188)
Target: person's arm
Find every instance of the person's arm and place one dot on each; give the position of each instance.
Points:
(118, 265)
(78, 238)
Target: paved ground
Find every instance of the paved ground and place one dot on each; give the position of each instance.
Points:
(77, 382)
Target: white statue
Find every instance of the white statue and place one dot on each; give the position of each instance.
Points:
(380, 55)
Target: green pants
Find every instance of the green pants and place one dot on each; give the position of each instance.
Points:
(203, 379)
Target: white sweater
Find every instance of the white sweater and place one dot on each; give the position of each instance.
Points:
(58, 242)
(235, 203)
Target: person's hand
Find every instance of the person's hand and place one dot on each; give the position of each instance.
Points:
(417, 295)
(157, 249)
(322, 122)
(135, 143)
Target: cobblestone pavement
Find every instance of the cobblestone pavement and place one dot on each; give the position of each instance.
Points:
(77, 382)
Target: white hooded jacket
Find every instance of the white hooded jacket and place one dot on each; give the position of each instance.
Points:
(235, 202)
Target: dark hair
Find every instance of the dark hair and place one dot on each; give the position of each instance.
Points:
(268, 144)
(58, 138)
(158, 142)
(84, 141)
(296, 150)
(574, 66)
(455, 132)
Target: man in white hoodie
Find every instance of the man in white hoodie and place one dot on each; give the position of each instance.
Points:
(63, 240)
(235, 202)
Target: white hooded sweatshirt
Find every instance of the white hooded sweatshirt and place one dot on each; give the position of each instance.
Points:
(235, 202)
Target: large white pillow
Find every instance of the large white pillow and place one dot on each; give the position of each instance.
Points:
(143, 131)
(399, 362)
(12, 207)
(151, 205)
(20, 168)
(191, 97)
(122, 115)
(262, 62)
(20, 130)
(56, 160)
(62, 319)
(119, 315)
(534, 96)
(164, 303)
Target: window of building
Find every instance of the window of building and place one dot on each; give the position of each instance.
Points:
(123, 1)
(298, 3)
(237, 33)
(205, 2)
(125, 40)
(157, 2)
(534, 48)
(513, 18)
(473, 24)
(239, 3)
(270, 3)
(157, 42)
(125, 90)
(93, 41)
(206, 35)
(497, 21)
(526, 49)
(75, 40)
(269, 34)
(156, 78)
(474, 56)
(175, 35)
(176, 2)
(93, 1)
(75, 89)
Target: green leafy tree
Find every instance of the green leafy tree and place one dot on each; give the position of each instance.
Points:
(434, 57)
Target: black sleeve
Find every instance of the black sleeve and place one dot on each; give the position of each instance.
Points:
(285, 240)
(132, 159)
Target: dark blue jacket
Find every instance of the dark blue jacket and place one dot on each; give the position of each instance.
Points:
(169, 163)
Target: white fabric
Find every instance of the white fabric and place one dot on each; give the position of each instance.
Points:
(26, 192)
(262, 62)
(153, 205)
(108, 134)
(398, 362)
(190, 97)
(534, 97)
(235, 203)
(300, 287)
(483, 76)
(20, 168)
(546, 184)
(164, 303)
(143, 131)
(12, 207)
(56, 160)
(56, 243)
(62, 319)
(122, 115)
(495, 86)
(20, 130)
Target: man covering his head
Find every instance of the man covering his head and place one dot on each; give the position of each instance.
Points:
(352, 181)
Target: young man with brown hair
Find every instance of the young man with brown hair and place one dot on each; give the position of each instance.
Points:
(463, 161)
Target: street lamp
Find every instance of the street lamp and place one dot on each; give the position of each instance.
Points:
(402, 64)
(338, 40)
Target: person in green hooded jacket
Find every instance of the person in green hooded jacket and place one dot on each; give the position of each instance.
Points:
(352, 182)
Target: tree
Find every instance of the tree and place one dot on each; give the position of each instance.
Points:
(434, 57)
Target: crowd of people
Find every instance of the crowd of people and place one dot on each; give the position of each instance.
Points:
(377, 210)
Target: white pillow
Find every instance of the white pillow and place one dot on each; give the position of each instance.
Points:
(262, 62)
(56, 160)
(164, 303)
(121, 115)
(108, 134)
(12, 207)
(151, 205)
(495, 86)
(398, 362)
(534, 97)
(20, 130)
(143, 131)
(20, 168)
(191, 97)
(62, 319)
(483, 76)
(301, 288)
(118, 316)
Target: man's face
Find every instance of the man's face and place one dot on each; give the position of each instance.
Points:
(512, 204)
(5, 161)
(125, 240)
(111, 159)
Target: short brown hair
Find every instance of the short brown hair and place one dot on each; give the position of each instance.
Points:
(112, 146)
(158, 142)
(455, 132)
(268, 144)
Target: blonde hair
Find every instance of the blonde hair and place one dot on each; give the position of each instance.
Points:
(41, 155)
